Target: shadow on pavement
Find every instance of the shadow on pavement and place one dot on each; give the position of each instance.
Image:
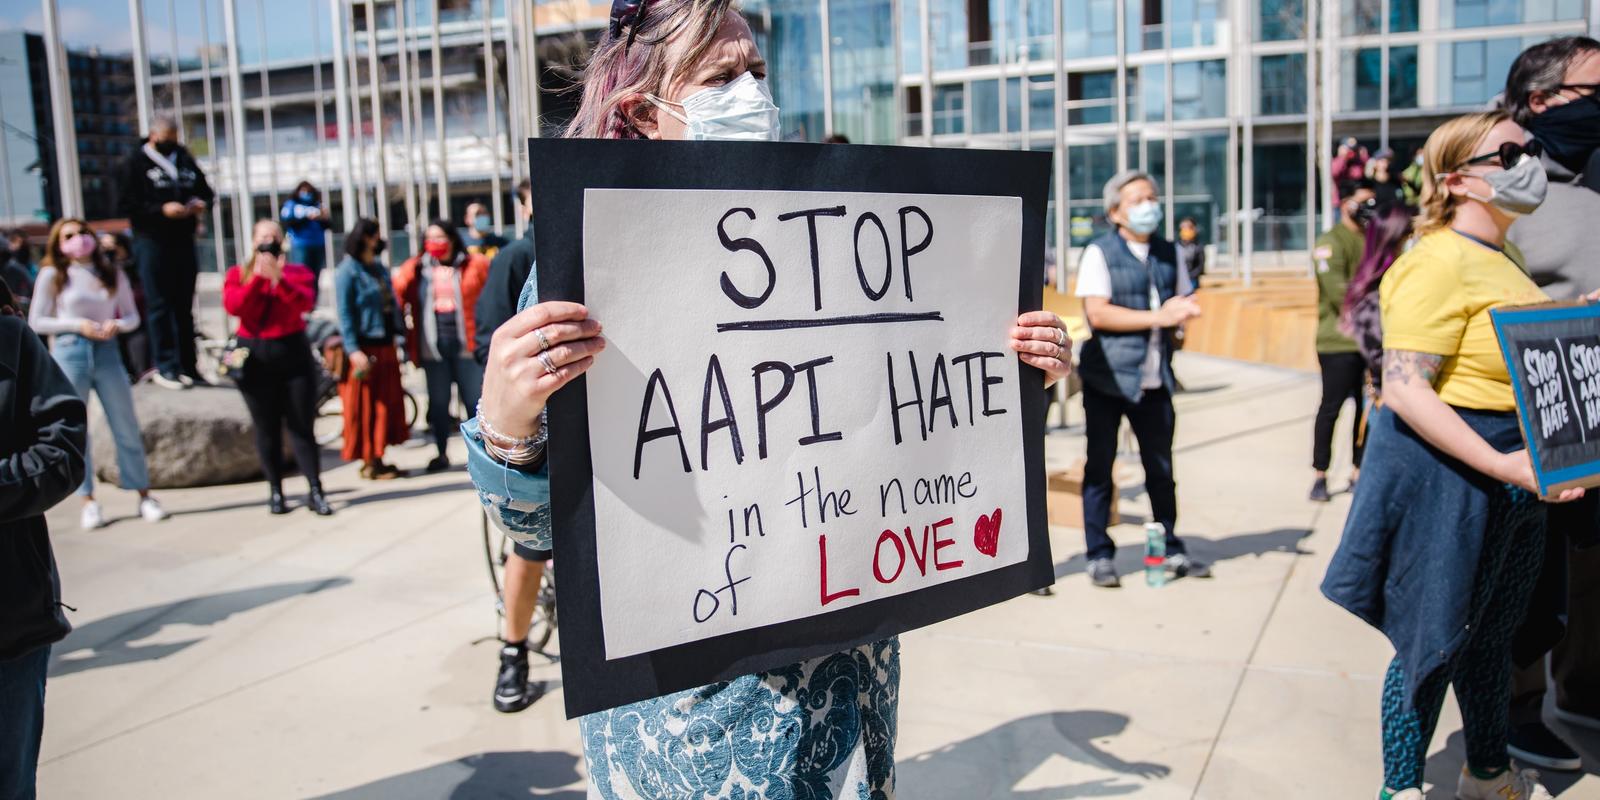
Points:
(1130, 558)
(992, 764)
(396, 494)
(109, 642)
(486, 775)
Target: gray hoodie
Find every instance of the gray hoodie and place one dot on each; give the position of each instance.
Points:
(1561, 240)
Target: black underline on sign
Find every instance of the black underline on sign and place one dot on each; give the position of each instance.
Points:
(827, 322)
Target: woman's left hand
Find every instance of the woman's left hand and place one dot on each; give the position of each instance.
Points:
(1593, 297)
(1040, 340)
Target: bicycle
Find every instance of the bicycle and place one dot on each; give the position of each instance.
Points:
(497, 549)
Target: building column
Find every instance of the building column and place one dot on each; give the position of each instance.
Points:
(141, 66)
(341, 114)
(66, 137)
(243, 199)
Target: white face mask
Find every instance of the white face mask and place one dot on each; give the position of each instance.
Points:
(741, 109)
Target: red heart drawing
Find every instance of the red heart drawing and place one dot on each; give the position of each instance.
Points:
(986, 534)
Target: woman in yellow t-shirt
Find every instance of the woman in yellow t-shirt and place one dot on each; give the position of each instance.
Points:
(1445, 539)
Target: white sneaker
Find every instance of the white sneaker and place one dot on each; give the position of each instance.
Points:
(152, 510)
(1513, 784)
(166, 382)
(91, 517)
(1403, 794)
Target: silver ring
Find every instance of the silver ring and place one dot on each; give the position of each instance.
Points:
(549, 366)
(544, 343)
(1061, 338)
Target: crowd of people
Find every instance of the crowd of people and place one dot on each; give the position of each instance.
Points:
(1490, 212)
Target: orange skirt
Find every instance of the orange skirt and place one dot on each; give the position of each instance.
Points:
(374, 408)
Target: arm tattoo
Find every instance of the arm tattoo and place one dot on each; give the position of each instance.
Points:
(1402, 366)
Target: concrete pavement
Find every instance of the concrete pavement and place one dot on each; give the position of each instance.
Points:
(226, 653)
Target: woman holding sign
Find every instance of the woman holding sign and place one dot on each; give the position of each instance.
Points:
(690, 69)
(1444, 542)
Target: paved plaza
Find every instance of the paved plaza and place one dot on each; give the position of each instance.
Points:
(229, 654)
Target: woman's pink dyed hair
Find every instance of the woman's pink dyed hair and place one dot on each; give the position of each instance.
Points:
(619, 70)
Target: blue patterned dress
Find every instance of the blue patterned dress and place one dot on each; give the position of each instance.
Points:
(816, 730)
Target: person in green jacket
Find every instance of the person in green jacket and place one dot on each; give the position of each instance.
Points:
(1337, 255)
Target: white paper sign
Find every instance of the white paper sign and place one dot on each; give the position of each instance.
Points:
(808, 403)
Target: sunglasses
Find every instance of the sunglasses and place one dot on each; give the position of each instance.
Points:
(628, 13)
(1588, 89)
(1508, 154)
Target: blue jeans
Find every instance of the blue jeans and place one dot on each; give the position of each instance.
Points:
(313, 258)
(97, 366)
(456, 369)
(21, 722)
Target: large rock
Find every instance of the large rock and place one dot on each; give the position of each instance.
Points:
(199, 437)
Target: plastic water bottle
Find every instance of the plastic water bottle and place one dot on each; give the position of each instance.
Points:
(1155, 555)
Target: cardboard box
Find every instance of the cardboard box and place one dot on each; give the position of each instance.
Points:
(1064, 493)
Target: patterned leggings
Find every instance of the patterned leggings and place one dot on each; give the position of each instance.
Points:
(1481, 672)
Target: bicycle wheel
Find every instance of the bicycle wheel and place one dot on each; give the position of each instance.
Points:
(497, 549)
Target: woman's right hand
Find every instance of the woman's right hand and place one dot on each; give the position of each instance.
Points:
(360, 365)
(516, 384)
(1516, 468)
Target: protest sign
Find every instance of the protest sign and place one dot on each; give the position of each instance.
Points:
(808, 431)
(1552, 351)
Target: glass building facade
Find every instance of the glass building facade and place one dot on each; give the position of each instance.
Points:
(1233, 104)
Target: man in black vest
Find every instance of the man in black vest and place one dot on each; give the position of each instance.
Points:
(1134, 297)
(164, 195)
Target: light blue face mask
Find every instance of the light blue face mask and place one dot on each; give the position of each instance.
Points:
(1144, 218)
(741, 109)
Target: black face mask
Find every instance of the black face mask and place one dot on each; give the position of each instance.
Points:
(273, 248)
(1569, 133)
(378, 247)
(166, 148)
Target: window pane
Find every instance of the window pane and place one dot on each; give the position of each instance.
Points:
(1091, 27)
(1200, 184)
(1013, 104)
(1280, 193)
(1281, 84)
(1361, 79)
(1089, 98)
(949, 113)
(1471, 73)
(1089, 166)
(1403, 16)
(1403, 77)
(1041, 103)
(1359, 17)
(863, 78)
(1152, 93)
(985, 106)
(796, 64)
(1194, 23)
(949, 34)
(1199, 90)
(1280, 20)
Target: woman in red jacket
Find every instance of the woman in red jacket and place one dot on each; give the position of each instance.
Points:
(278, 377)
(438, 292)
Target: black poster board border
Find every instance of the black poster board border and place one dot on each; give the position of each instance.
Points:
(561, 170)
(1509, 322)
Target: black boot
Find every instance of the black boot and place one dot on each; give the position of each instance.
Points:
(275, 504)
(317, 502)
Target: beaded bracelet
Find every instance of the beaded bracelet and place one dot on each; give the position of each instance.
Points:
(513, 451)
(489, 432)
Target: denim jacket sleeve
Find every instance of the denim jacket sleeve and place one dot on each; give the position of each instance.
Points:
(517, 501)
(344, 290)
